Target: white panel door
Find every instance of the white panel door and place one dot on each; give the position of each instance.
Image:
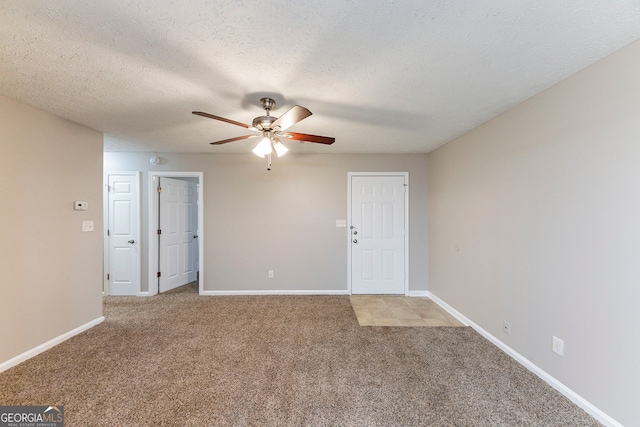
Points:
(123, 234)
(177, 239)
(378, 234)
(189, 203)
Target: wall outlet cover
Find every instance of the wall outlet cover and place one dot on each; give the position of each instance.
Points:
(558, 346)
(506, 327)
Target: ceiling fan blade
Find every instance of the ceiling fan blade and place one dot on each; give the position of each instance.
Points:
(237, 138)
(291, 117)
(222, 119)
(308, 138)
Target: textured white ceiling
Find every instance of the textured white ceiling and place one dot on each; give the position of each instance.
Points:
(381, 76)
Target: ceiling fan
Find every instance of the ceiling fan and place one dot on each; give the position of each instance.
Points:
(272, 130)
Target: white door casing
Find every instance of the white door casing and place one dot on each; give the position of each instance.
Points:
(178, 238)
(378, 237)
(122, 234)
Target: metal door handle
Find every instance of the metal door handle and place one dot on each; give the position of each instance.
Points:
(355, 240)
(195, 236)
(132, 241)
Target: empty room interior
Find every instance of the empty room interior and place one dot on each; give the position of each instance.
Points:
(219, 207)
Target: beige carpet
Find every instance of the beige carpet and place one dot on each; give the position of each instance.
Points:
(184, 360)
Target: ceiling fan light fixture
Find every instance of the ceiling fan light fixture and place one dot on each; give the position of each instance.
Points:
(263, 148)
(272, 129)
(281, 150)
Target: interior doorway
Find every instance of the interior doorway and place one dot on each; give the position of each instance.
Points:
(176, 231)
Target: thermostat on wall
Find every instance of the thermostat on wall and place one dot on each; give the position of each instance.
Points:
(80, 206)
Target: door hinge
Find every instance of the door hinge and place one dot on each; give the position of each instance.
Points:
(107, 276)
(159, 189)
(108, 233)
(159, 231)
(159, 274)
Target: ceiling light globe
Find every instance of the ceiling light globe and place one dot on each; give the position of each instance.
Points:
(263, 148)
(281, 150)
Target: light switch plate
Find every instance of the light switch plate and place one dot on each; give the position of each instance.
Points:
(87, 226)
(341, 222)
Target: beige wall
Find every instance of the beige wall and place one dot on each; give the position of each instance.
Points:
(544, 205)
(284, 219)
(51, 271)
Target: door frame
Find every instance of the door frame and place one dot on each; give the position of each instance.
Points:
(153, 226)
(351, 175)
(105, 223)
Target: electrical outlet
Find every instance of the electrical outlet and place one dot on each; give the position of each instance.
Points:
(506, 327)
(558, 346)
(270, 274)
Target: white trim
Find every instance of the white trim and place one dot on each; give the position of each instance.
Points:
(153, 227)
(418, 294)
(105, 226)
(566, 391)
(455, 313)
(288, 292)
(49, 344)
(406, 223)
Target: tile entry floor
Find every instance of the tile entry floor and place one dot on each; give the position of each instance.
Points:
(392, 310)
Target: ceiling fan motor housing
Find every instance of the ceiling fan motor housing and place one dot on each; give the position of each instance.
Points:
(263, 122)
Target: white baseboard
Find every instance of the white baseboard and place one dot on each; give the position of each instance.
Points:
(49, 344)
(418, 294)
(455, 313)
(299, 292)
(296, 292)
(566, 391)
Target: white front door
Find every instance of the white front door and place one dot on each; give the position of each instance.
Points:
(178, 233)
(123, 239)
(378, 233)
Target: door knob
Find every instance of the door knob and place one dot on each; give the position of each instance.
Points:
(355, 240)
(132, 241)
(195, 236)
